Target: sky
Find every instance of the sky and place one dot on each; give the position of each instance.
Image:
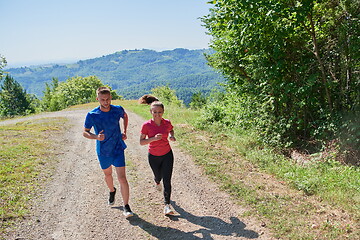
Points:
(59, 31)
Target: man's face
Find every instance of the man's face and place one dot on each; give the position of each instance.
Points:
(104, 101)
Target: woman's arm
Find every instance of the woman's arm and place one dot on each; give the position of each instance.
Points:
(144, 140)
(172, 137)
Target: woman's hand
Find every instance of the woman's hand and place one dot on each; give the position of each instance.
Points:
(158, 137)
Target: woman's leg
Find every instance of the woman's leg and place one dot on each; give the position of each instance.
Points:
(156, 164)
(167, 169)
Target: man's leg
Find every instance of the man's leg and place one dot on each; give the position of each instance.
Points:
(124, 185)
(109, 179)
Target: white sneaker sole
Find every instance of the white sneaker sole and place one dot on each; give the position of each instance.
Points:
(128, 214)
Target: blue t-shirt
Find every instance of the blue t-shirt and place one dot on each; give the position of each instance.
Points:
(109, 121)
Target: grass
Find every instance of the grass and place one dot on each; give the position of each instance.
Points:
(25, 162)
(319, 200)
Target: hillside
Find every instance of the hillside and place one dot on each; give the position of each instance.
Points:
(131, 73)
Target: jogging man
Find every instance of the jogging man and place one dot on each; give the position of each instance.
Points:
(110, 145)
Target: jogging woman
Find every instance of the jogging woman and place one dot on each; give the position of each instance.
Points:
(156, 132)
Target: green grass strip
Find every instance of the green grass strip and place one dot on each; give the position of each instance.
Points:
(26, 155)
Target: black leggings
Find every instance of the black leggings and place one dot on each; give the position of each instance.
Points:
(162, 167)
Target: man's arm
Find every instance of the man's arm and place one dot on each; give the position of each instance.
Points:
(90, 135)
(125, 122)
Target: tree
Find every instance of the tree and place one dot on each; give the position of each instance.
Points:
(2, 65)
(13, 99)
(297, 59)
(49, 90)
(198, 101)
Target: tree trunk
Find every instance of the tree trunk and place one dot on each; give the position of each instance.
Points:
(321, 64)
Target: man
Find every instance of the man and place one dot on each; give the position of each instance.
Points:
(110, 145)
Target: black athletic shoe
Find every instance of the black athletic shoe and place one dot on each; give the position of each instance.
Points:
(112, 197)
(127, 211)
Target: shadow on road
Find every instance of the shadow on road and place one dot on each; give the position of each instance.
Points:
(208, 226)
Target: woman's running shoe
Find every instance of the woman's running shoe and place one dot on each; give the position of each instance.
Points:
(168, 210)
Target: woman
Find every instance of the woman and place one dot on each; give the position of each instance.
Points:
(156, 132)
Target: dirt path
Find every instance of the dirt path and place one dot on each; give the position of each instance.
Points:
(74, 203)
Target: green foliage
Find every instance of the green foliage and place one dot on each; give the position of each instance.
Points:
(167, 95)
(49, 90)
(349, 133)
(76, 90)
(198, 101)
(2, 65)
(13, 99)
(132, 73)
(236, 111)
(297, 60)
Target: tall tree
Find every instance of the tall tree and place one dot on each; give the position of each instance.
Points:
(299, 59)
(13, 98)
(2, 65)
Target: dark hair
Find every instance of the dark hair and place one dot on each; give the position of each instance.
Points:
(147, 99)
(151, 100)
(103, 90)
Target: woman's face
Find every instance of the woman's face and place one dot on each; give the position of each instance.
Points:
(157, 112)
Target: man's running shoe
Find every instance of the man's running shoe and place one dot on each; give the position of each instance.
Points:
(112, 197)
(127, 211)
(158, 186)
(168, 210)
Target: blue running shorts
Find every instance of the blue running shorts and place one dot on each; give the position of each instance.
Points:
(117, 161)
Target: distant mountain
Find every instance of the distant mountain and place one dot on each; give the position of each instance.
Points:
(131, 73)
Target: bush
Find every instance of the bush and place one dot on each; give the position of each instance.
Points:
(197, 101)
(76, 90)
(167, 96)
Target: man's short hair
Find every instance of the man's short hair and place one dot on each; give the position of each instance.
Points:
(102, 90)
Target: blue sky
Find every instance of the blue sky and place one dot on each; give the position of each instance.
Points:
(56, 31)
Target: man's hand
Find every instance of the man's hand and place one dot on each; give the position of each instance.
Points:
(124, 137)
(101, 136)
